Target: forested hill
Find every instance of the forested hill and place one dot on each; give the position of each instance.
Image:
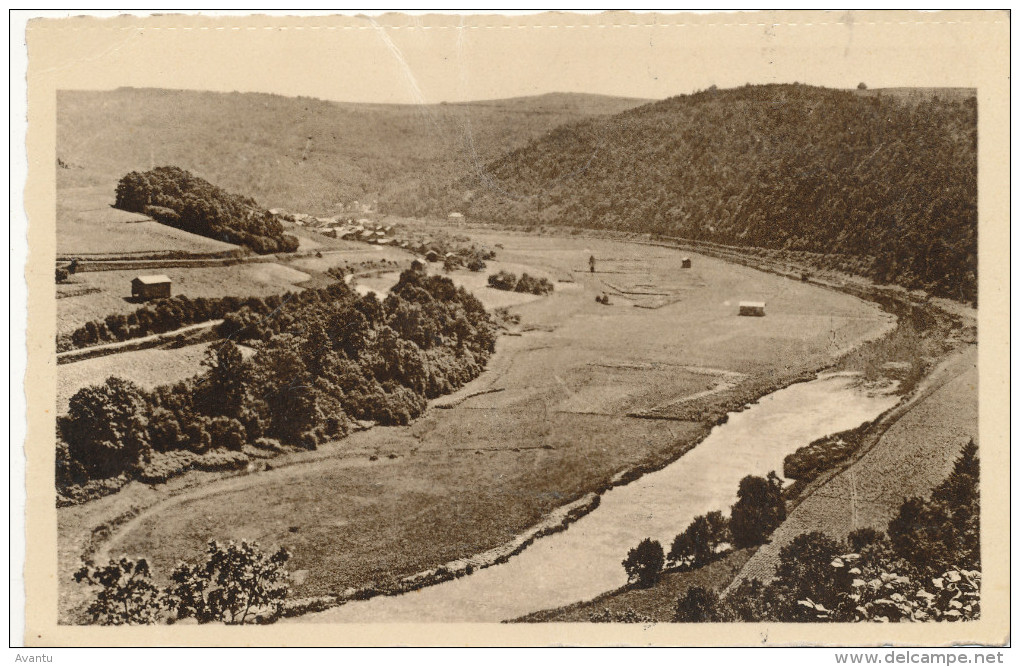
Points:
(300, 153)
(887, 180)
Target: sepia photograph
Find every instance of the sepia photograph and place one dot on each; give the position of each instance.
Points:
(605, 328)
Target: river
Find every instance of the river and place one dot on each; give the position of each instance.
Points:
(585, 560)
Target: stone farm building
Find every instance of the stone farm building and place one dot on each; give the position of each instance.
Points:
(752, 308)
(150, 287)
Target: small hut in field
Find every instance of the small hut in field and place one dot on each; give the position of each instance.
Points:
(685, 263)
(150, 287)
(752, 308)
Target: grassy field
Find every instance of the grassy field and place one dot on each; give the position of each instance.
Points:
(89, 227)
(146, 368)
(112, 289)
(551, 426)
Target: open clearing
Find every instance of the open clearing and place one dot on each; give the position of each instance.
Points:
(89, 227)
(553, 426)
(146, 368)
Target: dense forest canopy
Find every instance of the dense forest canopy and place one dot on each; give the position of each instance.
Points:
(888, 180)
(180, 199)
(324, 358)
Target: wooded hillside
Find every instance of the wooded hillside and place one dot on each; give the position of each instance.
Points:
(886, 182)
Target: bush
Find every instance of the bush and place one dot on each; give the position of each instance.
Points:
(644, 563)
(606, 615)
(163, 466)
(503, 280)
(220, 459)
(532, 285)
(697, 605)
(236, 584)
(62, 275)
(126, 596)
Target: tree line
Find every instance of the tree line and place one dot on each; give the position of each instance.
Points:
(324, 359)
(885, 187)
(180, 199)
(163, 315)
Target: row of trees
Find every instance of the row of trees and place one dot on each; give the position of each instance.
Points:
(888, 185)
(180, 199)
(324, 357)
(236, 583)
(164, 315)
(759, 510)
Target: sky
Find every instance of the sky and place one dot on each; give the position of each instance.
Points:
(397, 60)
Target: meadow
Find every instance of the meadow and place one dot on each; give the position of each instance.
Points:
(88, 227)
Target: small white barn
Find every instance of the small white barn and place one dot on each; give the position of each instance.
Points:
(752, 308)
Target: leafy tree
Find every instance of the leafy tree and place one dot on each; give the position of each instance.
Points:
(644, 562)
(126, 595)
(106, 427)
(697, 545)
(759, 510)
(224, 392)
(236, 584)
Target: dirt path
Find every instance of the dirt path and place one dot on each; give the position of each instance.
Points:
(914, 454)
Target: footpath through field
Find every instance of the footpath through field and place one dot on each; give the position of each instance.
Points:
(914, 454)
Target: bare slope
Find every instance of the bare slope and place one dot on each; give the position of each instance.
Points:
(299, 153)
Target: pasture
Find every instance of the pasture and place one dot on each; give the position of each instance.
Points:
(89, 227)
(96, 294)
(551, 419)
(146, 368)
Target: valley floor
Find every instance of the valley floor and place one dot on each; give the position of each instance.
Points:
(557, 415)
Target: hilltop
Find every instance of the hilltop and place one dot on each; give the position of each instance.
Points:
(300, 153)
(880, 183)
